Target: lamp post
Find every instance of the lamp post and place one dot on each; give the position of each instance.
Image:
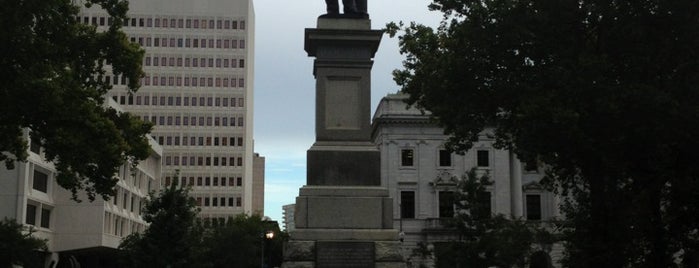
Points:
(268, 235)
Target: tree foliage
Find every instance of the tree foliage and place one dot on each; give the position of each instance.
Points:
(176, 237)
(245, 234)
(53, 72)
(485, 239)
(173, 238)
(603, 92)
(18, 246)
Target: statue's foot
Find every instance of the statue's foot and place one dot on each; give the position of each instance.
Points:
(331, 15)
(356, 15)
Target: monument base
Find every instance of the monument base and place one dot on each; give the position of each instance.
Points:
(343, 164)
(343, 227)
(343, 207)
(342, 254)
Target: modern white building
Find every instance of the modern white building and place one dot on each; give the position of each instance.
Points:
(87, 232)
(258, 185)
(198, 92)
(289, 219)
(418, 172)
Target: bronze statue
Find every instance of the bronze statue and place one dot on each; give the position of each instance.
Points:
(353, 8)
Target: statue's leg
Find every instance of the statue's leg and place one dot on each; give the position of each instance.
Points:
(349, 6)
(333, 6)
(361, 6)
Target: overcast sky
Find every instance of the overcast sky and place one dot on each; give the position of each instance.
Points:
(285, 86)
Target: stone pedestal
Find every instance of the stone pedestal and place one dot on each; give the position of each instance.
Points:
(344, 216)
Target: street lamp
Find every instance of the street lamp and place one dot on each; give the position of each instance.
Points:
(268, 235)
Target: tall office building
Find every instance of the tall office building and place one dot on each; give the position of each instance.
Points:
(198, 92)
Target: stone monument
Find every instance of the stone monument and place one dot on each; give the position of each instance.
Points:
(344, 216)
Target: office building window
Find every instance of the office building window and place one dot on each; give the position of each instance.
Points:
(30, 218)
(238, 201)
(483, 158)
(239, 181)
(406, 157)
(444, 158)
(533, 207)
(40, 181)
(407, 204)
(446, 204)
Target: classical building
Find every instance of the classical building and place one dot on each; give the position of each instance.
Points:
(87, 232)
(418, 172)
(198, 92)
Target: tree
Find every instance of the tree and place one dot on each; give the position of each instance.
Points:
(173, 238)
(54, 82)
(245, 234)
(485, 239)
(603, 92)
(19, 247)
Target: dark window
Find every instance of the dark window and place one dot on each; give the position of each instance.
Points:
(35, 146)
(483, 158)
(446, 204)
(239, 182)
(40, 181)
(45, 217)
(31, 215)
(406, 157)
(407, 204)
(444, 158)
(533, 207)
(483, 209)
(206, 201)
(238, 201)
(230, 201)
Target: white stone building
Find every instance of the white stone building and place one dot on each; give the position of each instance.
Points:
(87, 232)
(198, 92)
(417, 171)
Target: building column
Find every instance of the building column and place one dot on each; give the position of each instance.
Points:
(516, 186)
